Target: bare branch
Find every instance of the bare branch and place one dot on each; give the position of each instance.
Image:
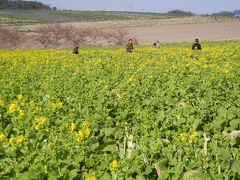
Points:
(12, 37)
(44, 37)
(120, 36)
(56, 30)
(75, 36)
(94, 34)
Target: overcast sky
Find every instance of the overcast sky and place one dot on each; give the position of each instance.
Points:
(197, 6)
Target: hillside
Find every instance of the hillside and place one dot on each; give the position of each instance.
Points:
(75, 16)
(8, 16)
(22, 5)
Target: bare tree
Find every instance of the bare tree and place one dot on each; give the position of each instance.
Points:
(82, 35)
(12, 37)
(108, 34)
(120, 36)
(68, 32)
(52, 34)
(2, 32)
(56, 30)
(44, 37)
(94, 34)
(135, 40)
(75, 36)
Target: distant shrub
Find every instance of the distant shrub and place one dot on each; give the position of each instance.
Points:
(178, 12)
(224, 14)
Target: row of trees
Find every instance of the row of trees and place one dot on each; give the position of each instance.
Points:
(226, 13)
(56, 35)
(182, 13)
(23, 5)
(178, 12)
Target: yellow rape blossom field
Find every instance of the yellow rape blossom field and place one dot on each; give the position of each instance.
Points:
(167, 113)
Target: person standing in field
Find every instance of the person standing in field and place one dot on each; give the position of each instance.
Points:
(196, 45)
(76, 50)
(157, 45)
(129, 47)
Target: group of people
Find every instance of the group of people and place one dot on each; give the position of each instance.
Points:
(129, 47)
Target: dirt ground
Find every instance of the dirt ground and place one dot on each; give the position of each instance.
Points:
(171, 30)
(187, 32)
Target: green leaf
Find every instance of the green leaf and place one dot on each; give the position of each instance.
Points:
(148, 170)
(94, 146)
(108, 131)
(235, 123)
(105, 176)
(191, 174)
(23, 176)
(52, 176)
(73, 173)
(110, 148)
(79, 159)
(236, 167)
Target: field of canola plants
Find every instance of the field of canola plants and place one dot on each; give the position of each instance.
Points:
(153, 114)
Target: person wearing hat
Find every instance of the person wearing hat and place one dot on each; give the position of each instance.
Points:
(196, 45)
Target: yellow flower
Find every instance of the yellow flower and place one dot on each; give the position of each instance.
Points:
(56, 106)
(11, 140)
(21, 114)
(193, 138)
(130, 79)
(225, 71)
(59, 105)
(87, 132)
(42, 120)
(194, 133)
(12, 108)
(2, 137)
(113, 166)
(72, 127)
(20, 139)
(80, 136)
(1, 104)
(32, 104)
(37, 127)
(183, 137)
(85, 125)
(91, 178)
(20, 97)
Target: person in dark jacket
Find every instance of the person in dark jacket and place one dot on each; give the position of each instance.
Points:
(196, 45)
(156, 45)
(76, 50)
(129, 47)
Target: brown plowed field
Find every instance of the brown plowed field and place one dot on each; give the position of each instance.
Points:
(187, 32)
